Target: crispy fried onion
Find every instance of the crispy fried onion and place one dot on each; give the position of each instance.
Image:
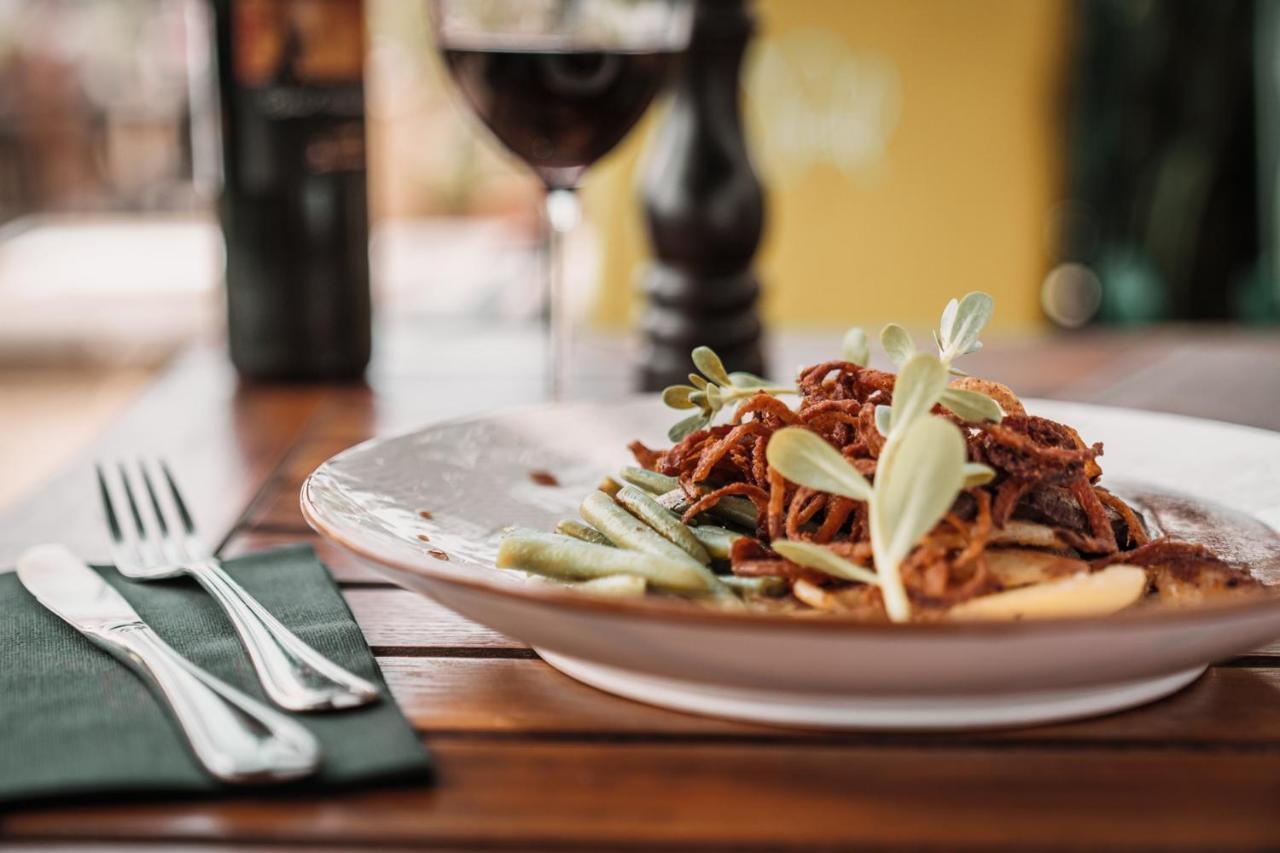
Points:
(1045, 475)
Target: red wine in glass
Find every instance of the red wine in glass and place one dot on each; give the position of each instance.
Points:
(560, 83)
(559, 110)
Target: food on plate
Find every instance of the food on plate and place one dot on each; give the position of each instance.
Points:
(921, 495)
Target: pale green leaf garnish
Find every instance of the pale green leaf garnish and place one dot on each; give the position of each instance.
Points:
(971, 406)
(713, 396)
(855, 347)
(742, 379)
(977, 474)
(705, 359)
(921, 468)
(916, 390)
(806, 459)
(962, 323)
(712, 391)
(691, 424)
(824, 560)
(677, 397)
(897, 343)
(915, 487)
(949, 312)
(883, 415)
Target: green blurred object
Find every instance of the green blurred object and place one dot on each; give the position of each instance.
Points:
(77, 722)
(1164, 198)
(1133, 290)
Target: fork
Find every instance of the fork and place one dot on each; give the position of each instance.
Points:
(153, 536)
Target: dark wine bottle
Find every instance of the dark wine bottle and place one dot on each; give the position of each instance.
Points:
(294, 204)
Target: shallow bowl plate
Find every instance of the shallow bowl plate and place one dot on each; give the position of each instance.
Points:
(462, 483)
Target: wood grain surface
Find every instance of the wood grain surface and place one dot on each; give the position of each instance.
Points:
(531, 760)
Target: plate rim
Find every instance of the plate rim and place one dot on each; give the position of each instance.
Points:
(659, 609)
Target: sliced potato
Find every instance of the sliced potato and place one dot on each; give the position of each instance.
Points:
(813, 595)
(1015, 567)
(1100, 594)
(1028, 533)
(767, 585)
(997, 391)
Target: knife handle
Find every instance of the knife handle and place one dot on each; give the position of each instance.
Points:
(294, 675)
(236, 737)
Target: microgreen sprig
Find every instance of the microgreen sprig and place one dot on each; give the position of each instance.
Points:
(957, 334)
(921, 470)
(712, 391)
(855, 347)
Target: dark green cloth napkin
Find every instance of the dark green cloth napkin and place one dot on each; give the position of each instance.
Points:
(73, 720)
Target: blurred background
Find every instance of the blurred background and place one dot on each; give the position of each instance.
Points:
(1087, 162)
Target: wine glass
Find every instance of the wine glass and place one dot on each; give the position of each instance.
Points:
(560, 83)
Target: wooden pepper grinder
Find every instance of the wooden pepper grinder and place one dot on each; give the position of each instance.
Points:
(705, 211)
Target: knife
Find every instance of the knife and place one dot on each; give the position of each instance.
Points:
(237, 738)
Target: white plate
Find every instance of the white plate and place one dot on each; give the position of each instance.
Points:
(473, 477)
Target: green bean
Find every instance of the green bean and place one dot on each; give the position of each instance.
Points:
(736, 510)
(717, 540)
(619, 586)
(731, 508)
(563, 558)
(640, 504)
(650, 481)
(674, 500)
(627, 531)
(609, 486)
(767, 585)
(585, 532)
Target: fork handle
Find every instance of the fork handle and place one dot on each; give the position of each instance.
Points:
(294, 675)
(237, 738)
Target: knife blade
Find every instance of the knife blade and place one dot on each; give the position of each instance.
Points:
(72, 590)
(237, 738)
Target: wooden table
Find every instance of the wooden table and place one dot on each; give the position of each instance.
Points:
(529, 759)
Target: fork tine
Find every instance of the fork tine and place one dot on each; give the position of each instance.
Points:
(150, 538)
(113, 523)
(124, 540)
(196, 549)
(188, 524)
(171, 540)
(138, 524)
(129, 551)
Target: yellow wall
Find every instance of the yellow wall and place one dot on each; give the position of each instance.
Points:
(910, 149)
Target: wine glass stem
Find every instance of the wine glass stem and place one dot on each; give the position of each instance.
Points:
(562, 211)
